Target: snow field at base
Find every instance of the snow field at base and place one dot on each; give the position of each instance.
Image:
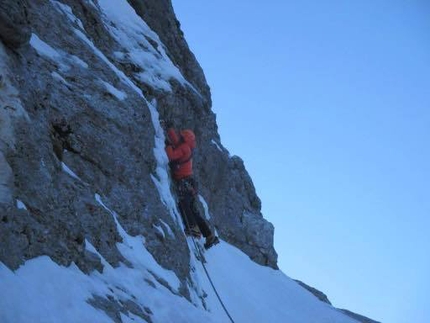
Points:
(41, 291)
(64, 298)
(254, 293)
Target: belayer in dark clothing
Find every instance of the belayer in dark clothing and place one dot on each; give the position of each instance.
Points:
(179, 149)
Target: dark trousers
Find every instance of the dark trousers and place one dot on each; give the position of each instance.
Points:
(187, 195)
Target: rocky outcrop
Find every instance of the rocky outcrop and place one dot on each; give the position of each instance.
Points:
(323, 298)
(232, 196)
(358, 317)
(317, 293)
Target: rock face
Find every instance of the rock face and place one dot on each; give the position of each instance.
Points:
(14, 28)
(80, 140)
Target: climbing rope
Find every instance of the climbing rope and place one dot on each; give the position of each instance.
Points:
(200, 258)
(210, 280)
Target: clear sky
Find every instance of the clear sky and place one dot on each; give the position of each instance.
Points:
(328, 103)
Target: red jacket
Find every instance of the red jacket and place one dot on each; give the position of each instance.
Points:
(180, 153)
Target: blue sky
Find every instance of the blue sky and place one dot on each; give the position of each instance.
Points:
(328, 103)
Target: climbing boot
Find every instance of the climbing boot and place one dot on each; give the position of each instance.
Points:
(211, 241)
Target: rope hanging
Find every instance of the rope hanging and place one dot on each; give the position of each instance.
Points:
(205, 269)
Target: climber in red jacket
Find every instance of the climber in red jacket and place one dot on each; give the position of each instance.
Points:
(179, 150)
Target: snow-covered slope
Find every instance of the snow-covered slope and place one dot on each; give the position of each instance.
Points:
(42, 291)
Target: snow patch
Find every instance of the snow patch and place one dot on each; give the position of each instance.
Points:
(59, 78)
(70, 172)
(20, 205)
(142, 46)
(68, 12)
(205, 207)
(167, 227)
(216, 144)
(43, 48)
(65, 9)
(78, 61)
(206, 211)
(100, 55)
(159, 229)
(64, 60)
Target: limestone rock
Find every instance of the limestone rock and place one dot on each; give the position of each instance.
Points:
(318, 294)
(15, 30)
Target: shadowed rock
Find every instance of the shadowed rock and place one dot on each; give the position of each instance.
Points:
(317, 293)
(358, 317)
(15, 30)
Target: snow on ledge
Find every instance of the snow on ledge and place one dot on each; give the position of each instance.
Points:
(68, 12)
(59, 78)
(70, 172)
(160, 230)
(137, 39)
(216, 144)
(205, 207)
(167, 227)
(63, 59)
(43, 48)
(120, 95)
(133, 249)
